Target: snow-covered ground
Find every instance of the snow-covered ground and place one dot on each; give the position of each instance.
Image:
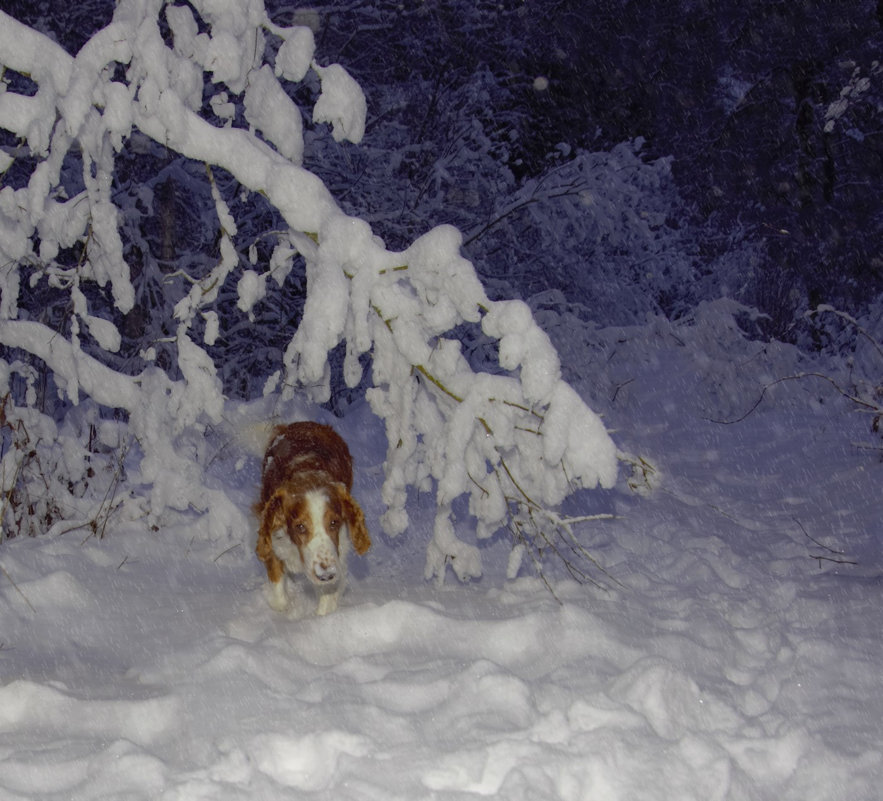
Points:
(737, 654)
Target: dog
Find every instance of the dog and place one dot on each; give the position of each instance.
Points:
(307, 516)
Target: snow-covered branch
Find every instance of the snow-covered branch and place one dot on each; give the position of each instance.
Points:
(513, 439)
(74, 370)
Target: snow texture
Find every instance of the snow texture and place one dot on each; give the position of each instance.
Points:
(737, 660)
(721, 644)
(273, 113)
(341, 103)
(295, 55)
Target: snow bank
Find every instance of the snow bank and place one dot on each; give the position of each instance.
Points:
(734, 660)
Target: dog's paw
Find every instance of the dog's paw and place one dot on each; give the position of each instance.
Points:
(277, 597)
(327, 604)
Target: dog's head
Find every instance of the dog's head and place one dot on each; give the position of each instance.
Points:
(317, 522)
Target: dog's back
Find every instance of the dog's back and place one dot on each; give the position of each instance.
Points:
(302, 448)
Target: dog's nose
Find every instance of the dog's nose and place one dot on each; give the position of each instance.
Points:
(326, 572)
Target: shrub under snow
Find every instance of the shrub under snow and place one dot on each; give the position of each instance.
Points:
(216, 87)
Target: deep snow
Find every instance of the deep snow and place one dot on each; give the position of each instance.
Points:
(737, 659)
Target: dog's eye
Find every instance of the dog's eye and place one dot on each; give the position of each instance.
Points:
(300, 528)
(335, 523)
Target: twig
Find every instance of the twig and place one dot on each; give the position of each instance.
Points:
(538, 196)
(226, 551)
(519, 406)
(813, 539)
(794, 377)
(580, 550)
(110, 495)
(108, 499)
(619, 387)
(852, 321)
(17, 589)
(430, 377)
(530, 502)
(829, 559)
(527, 511)
(521, 539)
(821, 557)
(867, 446)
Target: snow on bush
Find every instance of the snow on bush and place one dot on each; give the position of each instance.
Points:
(514, 440)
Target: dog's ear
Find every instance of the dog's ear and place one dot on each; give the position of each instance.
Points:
(271, 517)
(355, 522)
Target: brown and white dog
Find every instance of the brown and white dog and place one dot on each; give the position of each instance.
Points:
(307, 515)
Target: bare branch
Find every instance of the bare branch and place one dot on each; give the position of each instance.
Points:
(797, 376)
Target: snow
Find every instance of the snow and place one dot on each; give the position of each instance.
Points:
(399, 306)
(250, 289)
(31, 53)
(730, 656)
(273, 113)
(724, 642)
(295, 54)
(341, 103)
(69, 364)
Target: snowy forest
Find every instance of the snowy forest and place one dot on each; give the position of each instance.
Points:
(593, 290)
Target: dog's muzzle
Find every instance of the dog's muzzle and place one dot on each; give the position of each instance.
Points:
(325, 572)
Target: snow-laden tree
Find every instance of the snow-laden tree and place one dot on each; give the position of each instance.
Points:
(213, 81)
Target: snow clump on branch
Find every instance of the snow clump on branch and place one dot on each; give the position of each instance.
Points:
(515, 442)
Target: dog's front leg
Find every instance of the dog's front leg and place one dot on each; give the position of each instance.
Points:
(328, 600)
(277, 596)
